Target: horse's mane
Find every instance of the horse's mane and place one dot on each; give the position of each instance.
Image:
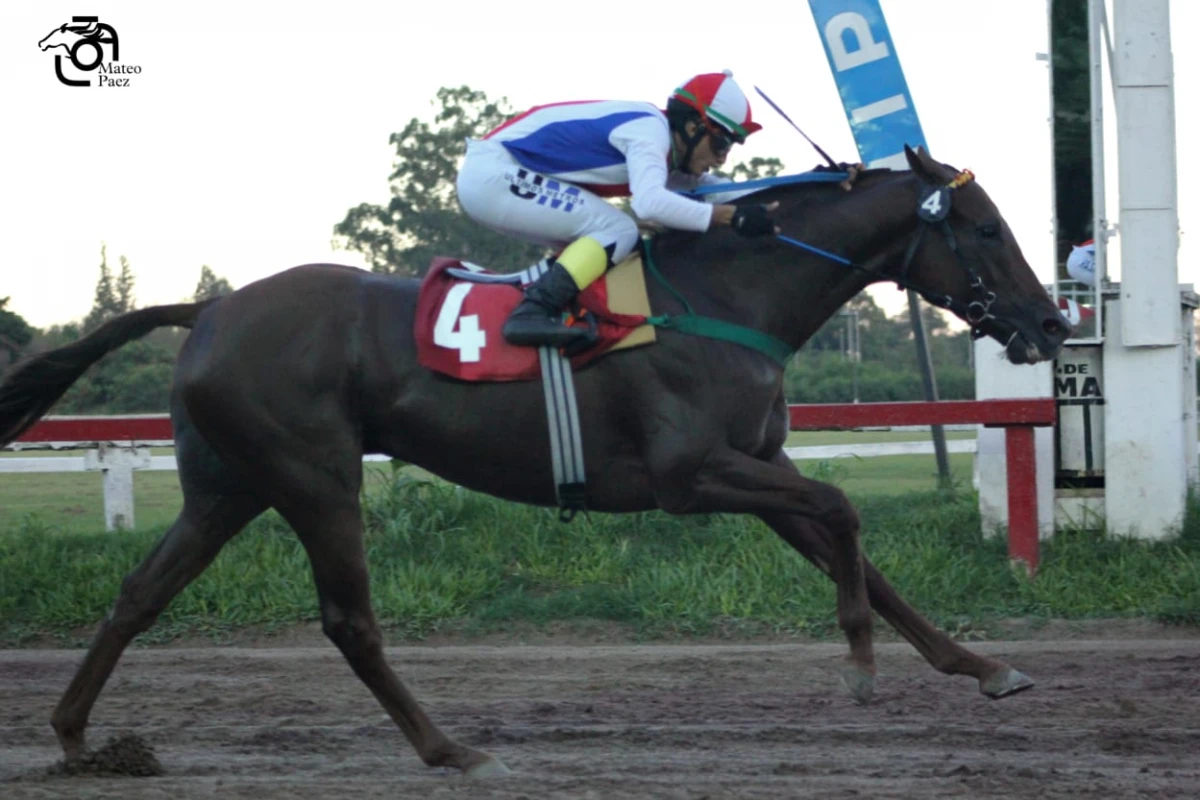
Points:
(798, 190)
(802, 191)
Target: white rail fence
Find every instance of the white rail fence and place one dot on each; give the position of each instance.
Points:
(119, 463)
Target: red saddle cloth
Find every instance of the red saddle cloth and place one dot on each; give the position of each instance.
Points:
(457, 327)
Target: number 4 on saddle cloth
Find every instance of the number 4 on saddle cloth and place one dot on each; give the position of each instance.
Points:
(458, 320)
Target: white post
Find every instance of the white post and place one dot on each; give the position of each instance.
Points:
(1188, 355)
(118, 464)
(1100, 230)
(995, 378)
(1145, 465)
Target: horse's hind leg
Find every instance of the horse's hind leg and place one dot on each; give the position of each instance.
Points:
(331, 529)
(814, 542)
(206, 523)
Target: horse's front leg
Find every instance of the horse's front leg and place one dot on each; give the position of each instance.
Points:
(730, 481)
(996, 679)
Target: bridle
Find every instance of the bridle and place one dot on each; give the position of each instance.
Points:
(932, 211)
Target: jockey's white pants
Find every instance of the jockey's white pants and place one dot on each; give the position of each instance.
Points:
(496, 191)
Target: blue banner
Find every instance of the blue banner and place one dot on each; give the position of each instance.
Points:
(869, 79)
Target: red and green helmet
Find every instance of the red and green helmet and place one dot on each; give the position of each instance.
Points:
(719, 100)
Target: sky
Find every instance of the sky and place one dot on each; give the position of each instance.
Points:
(253, 127)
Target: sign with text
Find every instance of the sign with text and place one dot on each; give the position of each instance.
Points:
(1079, 394)
(869, 79)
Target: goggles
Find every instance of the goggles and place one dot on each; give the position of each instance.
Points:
(721, 139)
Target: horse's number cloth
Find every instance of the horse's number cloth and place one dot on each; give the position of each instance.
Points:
(457, 324)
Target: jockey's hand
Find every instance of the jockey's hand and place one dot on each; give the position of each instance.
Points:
(755, 220)
(851, 170)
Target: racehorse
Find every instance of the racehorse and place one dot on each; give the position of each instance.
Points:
(284, 385)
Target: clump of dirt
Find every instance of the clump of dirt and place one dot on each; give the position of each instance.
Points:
(125, 756)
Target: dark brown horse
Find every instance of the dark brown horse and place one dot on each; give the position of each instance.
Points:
(283, 386)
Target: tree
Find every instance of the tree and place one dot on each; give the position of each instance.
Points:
(422, 220)
(1072, 124)
(872, 323)
(15, 334)
(210, 285)
(111, 301)
(752, 170)
(136, 378)
(125, 282)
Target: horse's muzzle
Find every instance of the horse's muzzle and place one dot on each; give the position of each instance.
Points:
(1030, 344)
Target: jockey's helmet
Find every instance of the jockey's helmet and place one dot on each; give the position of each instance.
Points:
(716, 100)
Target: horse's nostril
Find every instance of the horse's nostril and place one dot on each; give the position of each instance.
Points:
(1054, 327)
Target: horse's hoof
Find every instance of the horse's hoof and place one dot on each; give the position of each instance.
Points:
(859, 682)
(1005, 683)
(490, 767)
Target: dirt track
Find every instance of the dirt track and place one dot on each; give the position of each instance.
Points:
(1107, 719)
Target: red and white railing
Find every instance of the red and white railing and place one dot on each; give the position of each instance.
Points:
(117, 446)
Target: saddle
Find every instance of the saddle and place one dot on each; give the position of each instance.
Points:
(461, 308)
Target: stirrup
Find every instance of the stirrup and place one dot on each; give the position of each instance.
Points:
(540, 332)
(589, 337)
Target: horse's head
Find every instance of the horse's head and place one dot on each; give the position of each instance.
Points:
(63, 36)
(965, 258)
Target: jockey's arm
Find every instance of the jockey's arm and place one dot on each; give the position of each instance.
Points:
(681, 181)
(652, 201)
(646, 144)
(723, 214)
(760, 222)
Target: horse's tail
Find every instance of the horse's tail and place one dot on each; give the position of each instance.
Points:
(32, 386)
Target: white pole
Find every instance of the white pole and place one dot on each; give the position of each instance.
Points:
(1053, 159)
(1145, 424)
(117, 464)
(1096, 22)
(1146, 151)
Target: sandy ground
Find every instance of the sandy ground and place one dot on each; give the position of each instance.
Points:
(1108, 718)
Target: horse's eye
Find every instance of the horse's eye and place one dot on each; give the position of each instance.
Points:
(989, 231)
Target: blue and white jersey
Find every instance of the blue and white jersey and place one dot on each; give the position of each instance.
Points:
(612, 148)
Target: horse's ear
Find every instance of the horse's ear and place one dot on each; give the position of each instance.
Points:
(918, 162)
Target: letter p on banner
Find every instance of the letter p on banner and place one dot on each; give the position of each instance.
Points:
(869, 79)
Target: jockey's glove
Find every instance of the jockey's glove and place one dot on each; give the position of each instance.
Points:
(842, 166)
(753, 220)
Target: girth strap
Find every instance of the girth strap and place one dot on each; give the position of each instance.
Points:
(709, 327)
(562, 415)
(566, 442)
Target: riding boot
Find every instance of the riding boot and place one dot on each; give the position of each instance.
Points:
(538, 319)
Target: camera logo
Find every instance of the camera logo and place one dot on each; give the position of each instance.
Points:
(83, 40)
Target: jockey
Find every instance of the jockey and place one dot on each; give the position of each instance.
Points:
(541, 177)
(1081, 263)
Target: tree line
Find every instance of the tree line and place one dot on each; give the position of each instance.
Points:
(137, 377)
(421, 220)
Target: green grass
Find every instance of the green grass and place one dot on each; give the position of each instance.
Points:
(446, 559)
(74, 502)
(888, 475)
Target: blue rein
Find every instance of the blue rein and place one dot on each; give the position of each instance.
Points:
(781, 180)
(767, 183)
